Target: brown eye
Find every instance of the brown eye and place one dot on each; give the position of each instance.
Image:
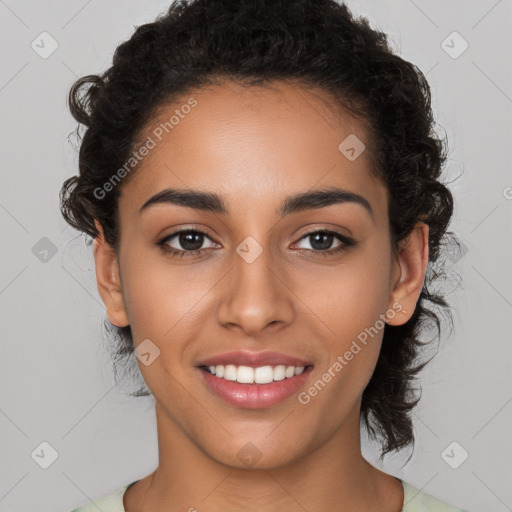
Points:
(186, 242)
(321, 242)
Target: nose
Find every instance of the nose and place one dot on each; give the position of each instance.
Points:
(255, 295)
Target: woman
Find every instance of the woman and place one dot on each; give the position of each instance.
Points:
(262, 183)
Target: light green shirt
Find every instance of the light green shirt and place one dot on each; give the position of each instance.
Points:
(414, 501)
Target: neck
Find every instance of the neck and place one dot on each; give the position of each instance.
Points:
(332, 476)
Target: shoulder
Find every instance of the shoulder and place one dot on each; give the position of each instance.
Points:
(111, 503)
(417, 501)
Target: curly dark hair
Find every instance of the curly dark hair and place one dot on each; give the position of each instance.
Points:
(321, 45)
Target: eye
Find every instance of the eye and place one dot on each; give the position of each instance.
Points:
(321, 240)
(189, 242)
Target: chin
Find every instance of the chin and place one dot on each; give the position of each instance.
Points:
(258, 452)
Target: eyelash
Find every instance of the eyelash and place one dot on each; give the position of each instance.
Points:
(346, 243)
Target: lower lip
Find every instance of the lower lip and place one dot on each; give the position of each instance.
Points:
(255, 396)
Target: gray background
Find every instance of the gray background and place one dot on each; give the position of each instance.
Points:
(56, 384)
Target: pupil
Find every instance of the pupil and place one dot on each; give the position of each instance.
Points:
(187, 241)
(327, 241)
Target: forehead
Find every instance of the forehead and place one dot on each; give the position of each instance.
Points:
(254, 145)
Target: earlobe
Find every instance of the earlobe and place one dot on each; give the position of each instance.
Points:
(108, 279)
(412, 261)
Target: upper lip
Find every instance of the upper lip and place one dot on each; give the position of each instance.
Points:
(253, 359)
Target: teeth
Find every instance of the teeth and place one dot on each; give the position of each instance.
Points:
(259, 375)
(280, 372)
(230, 372)
(245, 374)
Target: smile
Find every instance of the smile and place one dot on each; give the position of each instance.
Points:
(259, 375)
(254, 388)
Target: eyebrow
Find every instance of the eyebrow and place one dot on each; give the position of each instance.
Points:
(209, 201)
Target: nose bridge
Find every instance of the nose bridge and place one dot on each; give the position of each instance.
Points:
(254, 295)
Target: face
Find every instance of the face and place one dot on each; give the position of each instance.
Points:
(302, 279)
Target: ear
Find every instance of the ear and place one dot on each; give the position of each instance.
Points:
(409, 270)
(108, 279)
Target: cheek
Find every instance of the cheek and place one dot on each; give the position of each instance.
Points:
(351, 306)
(350, 296)
(161, 297)
(351, 302)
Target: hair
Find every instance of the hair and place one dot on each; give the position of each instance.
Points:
(320, 45)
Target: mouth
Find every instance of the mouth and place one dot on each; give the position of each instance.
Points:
(257, 387)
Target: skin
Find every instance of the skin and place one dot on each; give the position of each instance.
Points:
(255, 147)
